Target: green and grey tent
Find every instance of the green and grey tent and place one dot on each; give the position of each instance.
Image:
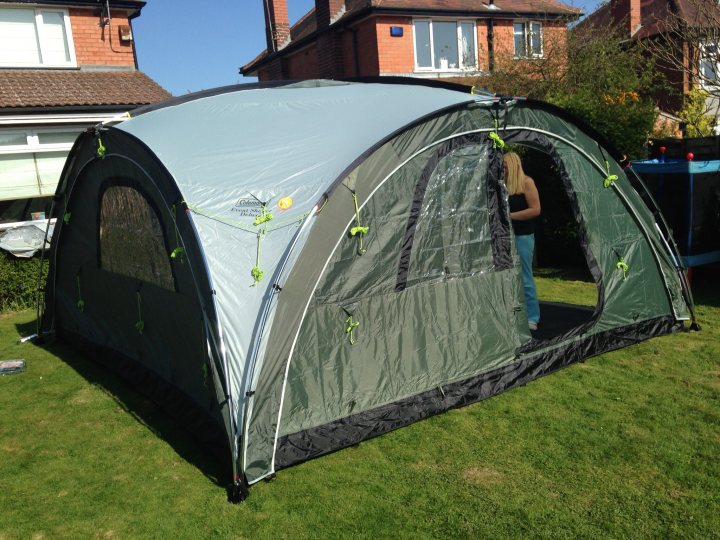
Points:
(305, 266)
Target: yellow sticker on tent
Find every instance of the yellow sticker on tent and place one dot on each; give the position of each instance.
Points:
(285, 203)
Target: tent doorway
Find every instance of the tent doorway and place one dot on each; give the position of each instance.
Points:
(568, 302)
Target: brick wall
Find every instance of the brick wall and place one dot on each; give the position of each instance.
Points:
(380, 53)
(367, 50)
(100, 46)
(303, 65)
(554, 42)
(396, 54)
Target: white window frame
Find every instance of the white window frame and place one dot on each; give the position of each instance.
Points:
(458, 27)
(33, 144)
(704, 83)
(527, 34)
(40, 32)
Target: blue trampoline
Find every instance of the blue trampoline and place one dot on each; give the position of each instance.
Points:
(688, 193)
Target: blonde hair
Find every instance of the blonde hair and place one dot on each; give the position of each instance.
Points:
(515, 177)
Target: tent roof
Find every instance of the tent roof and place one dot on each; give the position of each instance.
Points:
(263, 143)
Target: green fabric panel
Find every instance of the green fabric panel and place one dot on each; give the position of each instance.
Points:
(386, 214)
(613, 234)
(407, 342)
(636, 211)
(457, 317)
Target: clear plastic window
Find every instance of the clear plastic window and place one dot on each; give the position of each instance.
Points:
(131, 238)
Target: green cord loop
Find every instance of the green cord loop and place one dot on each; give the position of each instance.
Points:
(67, 215)
(358, 230)
(256, 272)
(101, 150)
(610, 178)
(80, 302)
(350, 325)
(622, 265)
(179, 251)
(140, 324)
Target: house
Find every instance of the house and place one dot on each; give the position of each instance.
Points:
(419, 38)
(64, 65)
(681, 35)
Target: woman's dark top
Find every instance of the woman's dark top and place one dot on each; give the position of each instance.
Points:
(521, 227)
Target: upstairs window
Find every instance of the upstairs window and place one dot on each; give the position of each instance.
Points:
(445, 45)
(708, 65)
(35, 38)
(528, 39)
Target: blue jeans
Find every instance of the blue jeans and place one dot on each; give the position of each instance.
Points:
(525, 246)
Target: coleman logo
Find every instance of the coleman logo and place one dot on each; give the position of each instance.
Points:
(247, 207)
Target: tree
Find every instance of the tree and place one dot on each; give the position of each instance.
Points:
(597, 75)
(686, 39)
(695, 114)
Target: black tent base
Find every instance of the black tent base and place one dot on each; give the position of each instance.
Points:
(302, 446)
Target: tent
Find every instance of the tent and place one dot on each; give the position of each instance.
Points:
(305, 266)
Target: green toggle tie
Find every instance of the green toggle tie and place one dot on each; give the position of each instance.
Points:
(257, 274)
(350, 326)
(80, 302)
(101, 150)
(264, 216)
(497, 141)
(358, 230)
(140, 324)
(622, 265)
(609, 179)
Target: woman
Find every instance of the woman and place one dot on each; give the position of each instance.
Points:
(524, 208)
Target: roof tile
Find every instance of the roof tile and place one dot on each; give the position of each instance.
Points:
(22, 88)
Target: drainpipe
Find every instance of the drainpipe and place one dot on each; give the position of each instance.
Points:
(356, 56)
(491, 43)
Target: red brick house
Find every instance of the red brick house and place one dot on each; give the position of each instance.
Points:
(669, 30)
(421, 38)
(64, 65)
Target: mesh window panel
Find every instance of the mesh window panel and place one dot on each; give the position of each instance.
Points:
(131, 238)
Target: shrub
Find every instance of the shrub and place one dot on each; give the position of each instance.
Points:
(19, 282)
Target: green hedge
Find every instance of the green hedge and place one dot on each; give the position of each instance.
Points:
(18, 282)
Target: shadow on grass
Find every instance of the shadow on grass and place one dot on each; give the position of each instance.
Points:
(210, 461)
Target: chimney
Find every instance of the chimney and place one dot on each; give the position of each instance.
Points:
(277, 24)
(327, 11)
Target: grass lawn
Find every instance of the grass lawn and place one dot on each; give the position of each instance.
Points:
(624, 445)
